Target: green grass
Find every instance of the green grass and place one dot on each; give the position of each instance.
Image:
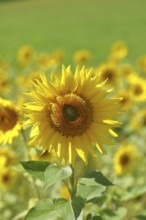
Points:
(72, 25)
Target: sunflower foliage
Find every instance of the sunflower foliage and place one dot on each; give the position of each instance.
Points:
(72, 139)
(86, 189)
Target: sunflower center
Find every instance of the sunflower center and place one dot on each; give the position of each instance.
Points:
(8, 119)
(108, 74)
(27, 55)
(124, 160)
(6, 178)
(124, 100)
(138, 90)
(70, 115)
(144, 121)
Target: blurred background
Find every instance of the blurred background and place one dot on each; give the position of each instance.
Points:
(72, 25)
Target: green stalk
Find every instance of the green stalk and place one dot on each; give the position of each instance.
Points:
(72, 184)
(26, 157)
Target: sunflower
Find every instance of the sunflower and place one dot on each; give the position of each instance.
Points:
(126, 70)
(142, 62)
(82, 56)
(7, 178)
(25, 55)
(23, 81)
(4, 85)
(108, 71)
(71, 114)
(139, 120)
(7, 157)
(9, 122)
(118, 51)
(126, 99)
(46, 61)
(124, 159)
(137, 88)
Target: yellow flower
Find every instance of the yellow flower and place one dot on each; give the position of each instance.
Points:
(137, 88)
(25, 55)
(71, 114)
(7, 157)
(109, 72)
(34, 76)
(82, 56)
(126, 70)
(7, 178)
(139, 120)
(126, 99)
(124, 159)
(142, 62)
(4, 86)
(46, 61)
(24, 81)
(9, 122)
(118, 51)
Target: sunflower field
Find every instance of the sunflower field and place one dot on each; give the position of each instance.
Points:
(72, 110)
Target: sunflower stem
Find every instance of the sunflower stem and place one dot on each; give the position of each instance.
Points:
(26, 156)
(25, 148)
(72, 184)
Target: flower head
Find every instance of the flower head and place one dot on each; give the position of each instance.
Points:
(82, 56)
(7, 157)
(7, 178)
(126, 70)
(71, 114)
(139, 120)
(9, 122)
(125, 158)
(25, 55)
(7, 174)
(4, 85)
(142, 62)
(109, 72)
(118, 51)
(126, 99)
(46, 61)
(137, 88)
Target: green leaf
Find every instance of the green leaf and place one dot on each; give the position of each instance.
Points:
(90, 217)
(141, 217)
(89, 189)
(52, 210)
(54, 173)
(133, 192)
(119, 214)
(97, 218)
(99, 178)
(77, 205)
(35, 168)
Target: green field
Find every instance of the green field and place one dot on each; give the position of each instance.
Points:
(72, 25)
